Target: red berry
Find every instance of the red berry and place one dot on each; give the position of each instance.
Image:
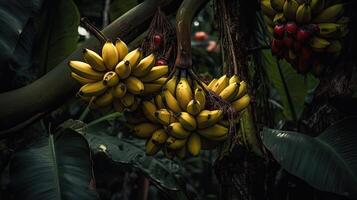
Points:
(297, 46)
(201, 36)
(279, 31)
(291, 27)
(303, 35)
(288, 42)
(161, 62)
(276, 46)
(157, 40)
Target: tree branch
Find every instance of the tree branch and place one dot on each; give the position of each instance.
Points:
(56, 86)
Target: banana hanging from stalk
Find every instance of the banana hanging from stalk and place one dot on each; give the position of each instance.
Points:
(94, 60)
(187, 121)
(119, 90)
(128, 100)
(178, 131)
(241, 103)
(110, 55)
(155, 73)
(104, 100)
(159, 136)
(122, 48)
(230, 92)
(330, 14)
(93, 89)
(144, 66)
(111, 79)
(149, 109)
(123, 69)
(215, 131)
(194, 107)
(133, 57)
(174, 143)
(164, 116)
(194, 144)
(151, 148)
(183, 93)
(134, 85)
(81, 79)
(290, 7)
(85, 70)
(207, 118)
(220, 84)
(145, 130)
(170, 101)
(303, 13)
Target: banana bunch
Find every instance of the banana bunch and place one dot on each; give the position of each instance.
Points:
(117, 77)
(179, 121)
(306, 32)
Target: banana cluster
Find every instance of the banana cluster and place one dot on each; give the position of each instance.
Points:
(305, 30)
(179, 121)
(117, 77)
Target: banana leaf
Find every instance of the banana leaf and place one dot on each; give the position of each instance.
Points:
(54, 168)
(327, 162)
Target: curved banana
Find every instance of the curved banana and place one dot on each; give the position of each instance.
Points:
(164, 116)
(194, 107)
(175, 144)
(150, 88)
(149, 109)
(111, 79)
(194, 144)
(200, 96)
(289, 9)
(119, 90)
(123, 69)
(81, 79)
(170, 101)
(134, 85)
(128, 100)
(110, 55)
(241, 103)
(181, 153)
(207, 118)
(159, 102)
(187, 121)
(103, 100)
(330, 14)
(133, 57)
(145, 130)
(267, 9)
(213, 131)
(303, 13)
(122, 48)
(178, 131)
(159, 136)
(171, 84)
(318, 43)
(160, 81)
(94, 60)
(243, 87)
(85, 70)
(230, 92)
(144, 66)
(220, 84)
(317, 6)
(155, 73)
(330, 30)
(277, 5)
(151, 148)
(234, 79)
(183, 93)
(93, 89)
(212, 83)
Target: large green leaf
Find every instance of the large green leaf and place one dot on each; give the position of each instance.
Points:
(297, 84)
(130, 152)
(54, 168)
(327, 162)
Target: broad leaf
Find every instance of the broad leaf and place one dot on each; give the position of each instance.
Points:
(54, 168)
(327, 162)
(130, 152)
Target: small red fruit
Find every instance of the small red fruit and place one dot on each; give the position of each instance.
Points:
(160, 62)
(297, 46)
(288, 42)
(201, 36)
(279, 31)
(291, 27)
(157, 40)
(303, 35)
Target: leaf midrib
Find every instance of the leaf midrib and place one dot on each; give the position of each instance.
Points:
(55, 166)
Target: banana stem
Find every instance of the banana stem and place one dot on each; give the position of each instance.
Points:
(184, 17)
(94, 30)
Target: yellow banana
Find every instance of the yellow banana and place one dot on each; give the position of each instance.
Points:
(183, 93)
(241, 103)
(319, 43)
(187, 121)
(151, 148)
(155, 73)
(164, 116)
(170, 101)
(171, 84)
(328, 30)
(111, 79)
(134, 85)
(208, 118)
(118, 106)
(84, 98)
(290, 7)
(159, 102)
(159, 136)
(181, 153)
(267, 9)
(135, 105)
(212, 83)
(303, 13)
(149, 109)
(177, 130)
(81, 79)
(128, 100)
(160, 81)
(279, 18)
(221, 83)
(103, 100)
(277, 4)
(243, 87)
(93, 89)
(317, 6)
(175, 144)
(234, 79)
(122, 48)
(200, 96)
(94, 60)
(213, 131)
(123, 69)
(145, 130)
(85, 70)
(119, 90)
(150, 88)
(133, 57)
(194, 107)
(144, 66)
(194, 144)
(230, 92)
(330, 14)
(110, 55)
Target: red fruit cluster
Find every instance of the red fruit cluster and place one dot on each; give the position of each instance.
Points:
(292, 43)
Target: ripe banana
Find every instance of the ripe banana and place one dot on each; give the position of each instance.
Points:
(171, 84)
(85, 70)
(128, 100)
(242, 90)
(94, 60)
(133, 57)
(144, 66)
(159, 136)
(149, 109)
(111, 79)
(317, 6)
(290, 7)
(165, 116)
(145, 130)
(134, 85)
(267, 9)
(208, 118)
(200, 96)
(150, 88)
(279, 18)
(175, 144)
(277, 4)
(123, 69)
(122, 48)
(212, 83)
(194, 144)
(221, 83)
(170, 101)
(119, 90)
(319, 43)
(82, 80)
(330, 14)
(328, 30)
(183, 93)
(213, 131)
(151, 148)
(234, 79)
(230, 92)
(118, 106)
(110, 55)
(135, 105)
(103, 100)
(181, 153)
(155, 73)
(160, 81)
(159, 102)
(303, 13)
(187, 121)
(177, 130)
(194, 107)
(93, 89)
(241, 103)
